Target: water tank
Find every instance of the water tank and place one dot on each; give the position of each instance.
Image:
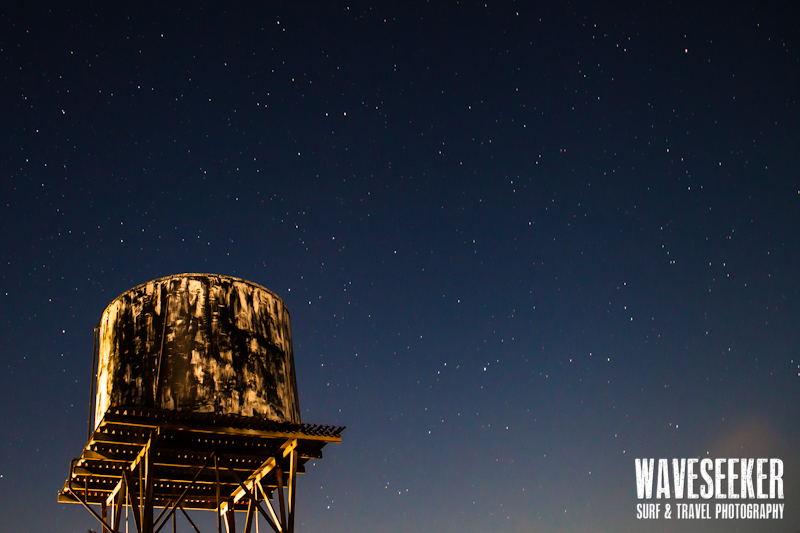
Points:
(203, 343)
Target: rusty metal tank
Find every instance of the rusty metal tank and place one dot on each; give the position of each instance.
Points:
(203, 343)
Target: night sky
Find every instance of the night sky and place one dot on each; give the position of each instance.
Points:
(522, 245)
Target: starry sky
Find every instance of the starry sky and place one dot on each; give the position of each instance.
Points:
(521, 243)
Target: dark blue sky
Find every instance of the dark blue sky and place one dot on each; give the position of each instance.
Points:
(521, 244)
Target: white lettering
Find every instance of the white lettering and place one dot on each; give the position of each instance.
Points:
(644, 478)
(662, 486)
(718, 477)
(747, 479)
(706, 484)
(775, 478)
(690, 477)
(707, 490)
(760, 476)
(732, 477)
(678, 479)
(648, 511)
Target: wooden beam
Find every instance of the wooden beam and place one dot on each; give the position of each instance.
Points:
(188, 518)
(118, 505)
(164, 510)
(230, 519)
(114, 492)
(279, 480)
(292, 488)
(147, 478)
(219, 515)
(271, 509)
(99, 518)
(133, 502)
(104, 515)
(285, 449)
(179, 501)
(248, 523)
(142, 422)
(252, 497)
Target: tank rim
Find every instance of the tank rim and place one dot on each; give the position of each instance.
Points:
(190, 274)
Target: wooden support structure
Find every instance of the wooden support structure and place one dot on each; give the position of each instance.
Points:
(144, 459)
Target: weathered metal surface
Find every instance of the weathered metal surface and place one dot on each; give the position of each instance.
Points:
(203, 343)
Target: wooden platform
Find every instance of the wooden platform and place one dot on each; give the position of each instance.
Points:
(153, 458)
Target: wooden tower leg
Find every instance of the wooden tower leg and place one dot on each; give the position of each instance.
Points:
(292, 488)
(251, 515)
(230, 518)
(147, 490)
(282, 505)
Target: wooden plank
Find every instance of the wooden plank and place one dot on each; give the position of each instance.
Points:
(253, 499)
(111, 419)
(292, 488)
(251, 508)
(278, 527)
(285, 449)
